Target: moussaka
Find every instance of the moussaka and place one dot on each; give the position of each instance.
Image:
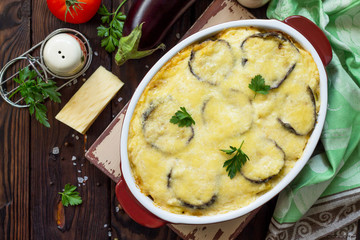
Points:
(248, 87)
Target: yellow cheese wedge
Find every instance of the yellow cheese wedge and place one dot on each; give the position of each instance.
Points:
(88, 102)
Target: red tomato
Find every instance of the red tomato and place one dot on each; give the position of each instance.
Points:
(74, 11)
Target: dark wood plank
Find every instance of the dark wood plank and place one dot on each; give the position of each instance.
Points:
(259, 12)
(257, 228)
(14, 129)
(53, 171)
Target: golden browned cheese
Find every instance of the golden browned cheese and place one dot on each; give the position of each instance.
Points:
(181, 168)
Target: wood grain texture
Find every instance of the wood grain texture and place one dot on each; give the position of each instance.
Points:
(14, 129)
(52, 172)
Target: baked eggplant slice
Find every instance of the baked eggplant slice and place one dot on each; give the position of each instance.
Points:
(200, 206)
(211, 61)
(244, 61)
(169, 179)
(192, 183)
(299, 115)
(229, 115)
(288, 127)
(277, 53)
(159, 132)
(280, 37)
(265, 162)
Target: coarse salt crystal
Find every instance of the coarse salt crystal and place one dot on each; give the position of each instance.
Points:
(96, 53)
(146, 66)
(74, 163)
(79, 171)
(109, 234)
(73, 158)
(73, 135)
(178, 35)
(119, 99)
(117, 209)
(77, 137)
(55, 150)
(80, 180)
(86, 178)
(105, 225)
(75, 81)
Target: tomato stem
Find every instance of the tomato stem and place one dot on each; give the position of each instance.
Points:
(72, 5)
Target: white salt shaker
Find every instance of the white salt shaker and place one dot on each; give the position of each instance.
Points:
(64, 54)
(252, 3)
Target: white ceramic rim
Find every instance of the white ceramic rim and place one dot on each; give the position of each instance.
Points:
(312, 142)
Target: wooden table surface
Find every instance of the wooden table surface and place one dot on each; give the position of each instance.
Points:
(31, 175)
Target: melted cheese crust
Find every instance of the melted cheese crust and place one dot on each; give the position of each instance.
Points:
(182, 168)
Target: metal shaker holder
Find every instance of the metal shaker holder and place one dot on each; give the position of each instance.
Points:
(37, 63)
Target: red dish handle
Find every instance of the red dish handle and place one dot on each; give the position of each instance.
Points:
(314, 34)
(134, 209)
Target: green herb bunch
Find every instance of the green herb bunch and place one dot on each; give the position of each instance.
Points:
(111, 34)
(34, 91)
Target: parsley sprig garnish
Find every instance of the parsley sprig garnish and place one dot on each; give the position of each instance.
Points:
(111, 34)
(70, 196)
(182, 118)
(234, 164)
(35, 91)
(258, 85)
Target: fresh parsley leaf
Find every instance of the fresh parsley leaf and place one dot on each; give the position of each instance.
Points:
(49, 90)
(121, 17)
(40, 114)
(234, 164)
(258, 85)
(34, 92)
(109, 43)
(102, 31)
(104, 11)
(182, 118)
(111, 34)
(69, 196)
(230, 151)
(105, 19)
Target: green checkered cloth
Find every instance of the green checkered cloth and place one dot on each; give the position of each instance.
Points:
(338, 168)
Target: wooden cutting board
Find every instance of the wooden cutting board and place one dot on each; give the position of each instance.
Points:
(105, 152)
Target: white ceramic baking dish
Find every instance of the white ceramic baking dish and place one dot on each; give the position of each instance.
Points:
(140, 207)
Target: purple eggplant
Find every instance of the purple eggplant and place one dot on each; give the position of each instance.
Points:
(157, 17)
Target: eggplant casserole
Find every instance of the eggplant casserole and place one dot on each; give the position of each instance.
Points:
(181, 168)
